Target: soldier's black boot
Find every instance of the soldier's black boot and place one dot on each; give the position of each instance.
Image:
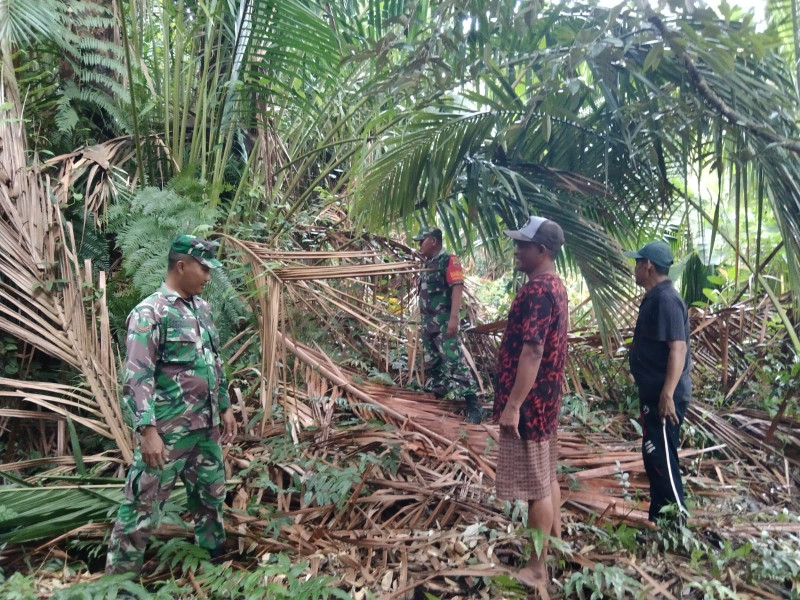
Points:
(217, 554)
(439, 392)
(474, 412)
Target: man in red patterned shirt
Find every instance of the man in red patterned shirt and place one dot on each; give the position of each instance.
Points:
(530, 374)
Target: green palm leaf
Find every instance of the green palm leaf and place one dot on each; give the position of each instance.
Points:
(286, 45)
(33, 513)
(24, 20)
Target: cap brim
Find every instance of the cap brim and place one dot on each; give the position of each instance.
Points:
(633, 254)
(211, 263)
(517, 235)
(417, 238)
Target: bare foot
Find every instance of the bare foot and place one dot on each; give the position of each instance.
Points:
(534, 578)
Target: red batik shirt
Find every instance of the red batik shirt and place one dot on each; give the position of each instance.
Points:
(540, 315)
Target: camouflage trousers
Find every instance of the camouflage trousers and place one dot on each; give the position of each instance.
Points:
(446, 371)
(195, 457)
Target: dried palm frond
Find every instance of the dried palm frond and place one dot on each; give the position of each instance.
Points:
(48, 299)
(94, 169)
(273, 285)
(61, 401)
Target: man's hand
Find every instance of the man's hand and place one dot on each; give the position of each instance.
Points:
(229, 426)
(452, 327)
(666, 409)
(509, 421)
(154, 453)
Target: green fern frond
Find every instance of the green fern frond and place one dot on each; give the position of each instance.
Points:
(66, 117)
(146, 222)
(92, 244)
(98, 65)
(121, 298)
(230, 312)
(96, 21)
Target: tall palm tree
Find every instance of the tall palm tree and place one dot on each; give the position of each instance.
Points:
(600, 118)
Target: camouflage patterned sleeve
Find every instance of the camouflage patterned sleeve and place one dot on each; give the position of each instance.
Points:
(223, 401)
(139, 384)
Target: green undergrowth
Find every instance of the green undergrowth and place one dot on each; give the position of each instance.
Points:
(699, 563)
(183, 570)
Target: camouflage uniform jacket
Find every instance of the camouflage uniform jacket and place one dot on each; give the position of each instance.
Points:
(174, 377)
(443, 271)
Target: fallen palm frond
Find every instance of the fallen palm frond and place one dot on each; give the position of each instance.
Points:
(443, 482)
(405, 526)
(95, 165)
(597, 473)
(274, 282)
(393, 509)
(64, 464)
(412, 505)
(345, 272)
(93, 169)
(47, 298)
(62, 401)
(595, 461)
(36, 513)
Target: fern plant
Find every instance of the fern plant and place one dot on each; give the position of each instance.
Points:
(97, 64)
(108, 587)
(72, 70)
(18, 587)
(146, 222)
(603, 582)
(275, 577)
(146, 225)
(182, 555)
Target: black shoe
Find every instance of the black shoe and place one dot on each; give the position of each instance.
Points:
(217, 555)
(474, 417)
(474, 412)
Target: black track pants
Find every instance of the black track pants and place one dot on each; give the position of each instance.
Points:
(656, 454)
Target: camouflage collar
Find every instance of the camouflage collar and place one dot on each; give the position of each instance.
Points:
(172, 295)
(436, 256)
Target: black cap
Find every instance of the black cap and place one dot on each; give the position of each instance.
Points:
(657, 252)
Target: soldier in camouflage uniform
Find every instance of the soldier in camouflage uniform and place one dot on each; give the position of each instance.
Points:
(176, 391)
(440, 289)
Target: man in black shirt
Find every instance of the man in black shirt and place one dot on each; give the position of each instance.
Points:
(660, 361)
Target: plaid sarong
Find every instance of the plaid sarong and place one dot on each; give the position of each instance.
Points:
(525, 468)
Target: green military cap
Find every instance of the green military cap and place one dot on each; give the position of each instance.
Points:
(203, 251)
(427, 232)
(657, 252)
